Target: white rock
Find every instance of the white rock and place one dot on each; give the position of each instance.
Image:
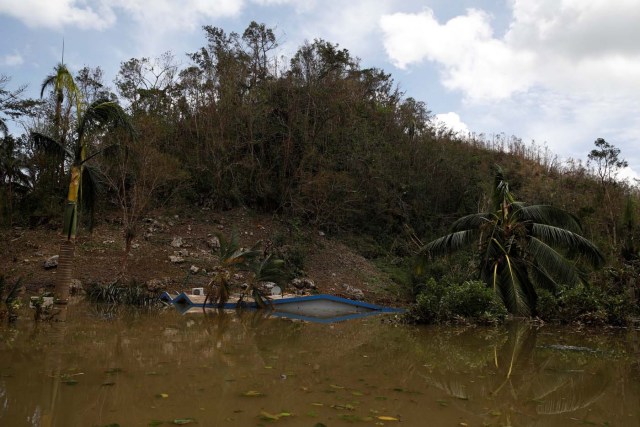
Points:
(176, 259)
(51, 262)
(353, 292)
(213, 242)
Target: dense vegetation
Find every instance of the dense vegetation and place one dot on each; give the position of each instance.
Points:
(319, 140)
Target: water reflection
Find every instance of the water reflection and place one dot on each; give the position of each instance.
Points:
(228, 368)
(523, 380)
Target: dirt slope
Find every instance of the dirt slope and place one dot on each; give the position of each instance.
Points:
(333, 267)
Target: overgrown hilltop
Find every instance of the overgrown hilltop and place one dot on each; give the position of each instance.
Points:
(320, 140)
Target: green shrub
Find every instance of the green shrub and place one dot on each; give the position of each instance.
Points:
(547, 305)
(470, 301)
(427, 306)
(590, 305)
(581, 304)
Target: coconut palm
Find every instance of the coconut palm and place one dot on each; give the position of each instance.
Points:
(99, 117)
(520, 247)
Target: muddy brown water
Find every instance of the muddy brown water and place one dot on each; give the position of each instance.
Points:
(135, 368)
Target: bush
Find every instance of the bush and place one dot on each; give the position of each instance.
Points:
(427, 306)
(547, 306)
(470, 301)
(590, 305)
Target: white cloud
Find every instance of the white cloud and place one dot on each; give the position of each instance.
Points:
(353, 25)
(163, 15)
(472, 60)
(297, 3)
(55, 14)
(564, 72)
(577, 45)
(100, 15)
(12, 60)
(453, 122)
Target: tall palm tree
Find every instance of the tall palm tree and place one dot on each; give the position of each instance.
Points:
(63, 84)
(99, 117)
(520, 247)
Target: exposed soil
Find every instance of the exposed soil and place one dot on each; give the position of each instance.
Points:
(99, 255)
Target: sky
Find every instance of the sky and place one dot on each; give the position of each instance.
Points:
(561, 73)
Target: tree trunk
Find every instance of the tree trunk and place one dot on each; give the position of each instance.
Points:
(67, 246)
(65, 271)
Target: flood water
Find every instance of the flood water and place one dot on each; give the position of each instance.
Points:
(134, 368)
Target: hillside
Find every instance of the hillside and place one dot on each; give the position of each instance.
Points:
(331, 265)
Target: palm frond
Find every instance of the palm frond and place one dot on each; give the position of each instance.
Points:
(551, 261)
(501, 193)
(269, 269)
(48, 81)
(449, 243)
(473, 221)
(541, 278)
(103, 113)
(559, 237)
(232, 255)
(514, 288)
(579, 392)
(60, 82)
(547, 214)
(90, 185)
(49, 145)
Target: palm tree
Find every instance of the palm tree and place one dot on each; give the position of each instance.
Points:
(62, 83)
(520, 247)
(101, 116)
(233, 259)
